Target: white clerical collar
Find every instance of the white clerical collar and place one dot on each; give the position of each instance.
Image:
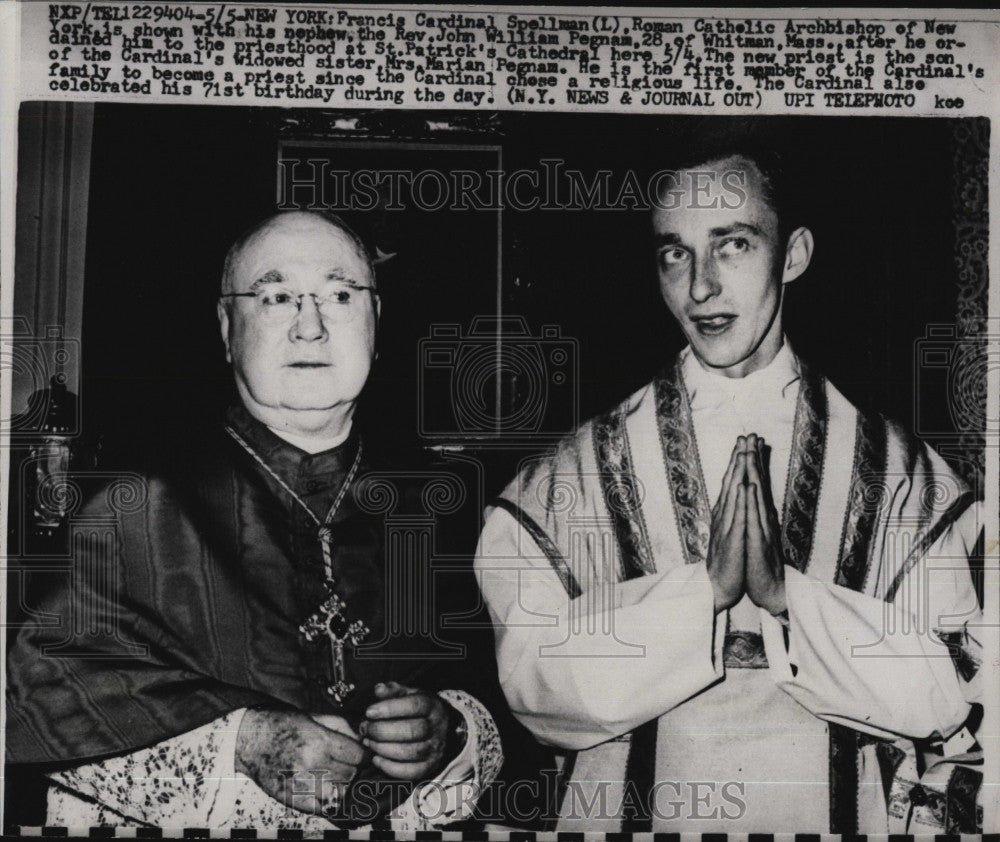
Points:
(772, 381)
(312, 444)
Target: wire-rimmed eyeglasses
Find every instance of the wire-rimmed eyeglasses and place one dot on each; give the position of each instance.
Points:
(281, 304)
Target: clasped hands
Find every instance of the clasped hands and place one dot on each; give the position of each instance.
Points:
(308, 761)
(744, 551)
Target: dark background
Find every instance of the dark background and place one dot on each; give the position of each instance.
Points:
(171, 187)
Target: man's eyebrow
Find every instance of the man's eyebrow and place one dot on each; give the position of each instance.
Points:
(737, 228)
(272, 276)
(339, 276)
(667, 239)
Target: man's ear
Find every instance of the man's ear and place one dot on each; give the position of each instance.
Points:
(223, 312)
(798, 253)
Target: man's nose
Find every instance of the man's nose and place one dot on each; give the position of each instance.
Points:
(308, 325)
(704, 279)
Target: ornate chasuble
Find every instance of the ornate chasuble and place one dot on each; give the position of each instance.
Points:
(186, 596)
(833, 518)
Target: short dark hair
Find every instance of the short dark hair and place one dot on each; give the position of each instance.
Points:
(261, 225)
(755, 140)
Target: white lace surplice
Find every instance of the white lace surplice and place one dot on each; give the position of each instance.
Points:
(191, 781)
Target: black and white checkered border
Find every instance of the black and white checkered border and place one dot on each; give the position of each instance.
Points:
(459, 836)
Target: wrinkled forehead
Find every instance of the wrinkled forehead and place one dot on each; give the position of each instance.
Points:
(719, 192)
(300, 249)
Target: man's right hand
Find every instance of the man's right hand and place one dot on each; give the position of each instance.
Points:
(727, 542)
(296, 760)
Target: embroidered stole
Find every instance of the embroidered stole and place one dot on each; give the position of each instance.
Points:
(866, 503)
(692, 511)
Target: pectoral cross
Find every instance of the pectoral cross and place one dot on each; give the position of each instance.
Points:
(329, 621)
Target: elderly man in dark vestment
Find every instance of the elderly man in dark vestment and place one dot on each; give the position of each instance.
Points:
(242, 665)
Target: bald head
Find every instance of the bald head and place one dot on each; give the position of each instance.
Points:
(290, 221)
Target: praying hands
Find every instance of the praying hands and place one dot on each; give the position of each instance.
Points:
(745, 554)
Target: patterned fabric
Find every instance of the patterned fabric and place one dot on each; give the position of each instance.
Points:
(868, 488)
(942, 800)
(208, 581)
(190, 781)
(744, 650)
(804, 471)
(873, 503)
(691, 506)
(866, 504)
(208, 578)
(680, 453)
(844, 748)
(180, 782)
(622, 496)
(970, 365)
